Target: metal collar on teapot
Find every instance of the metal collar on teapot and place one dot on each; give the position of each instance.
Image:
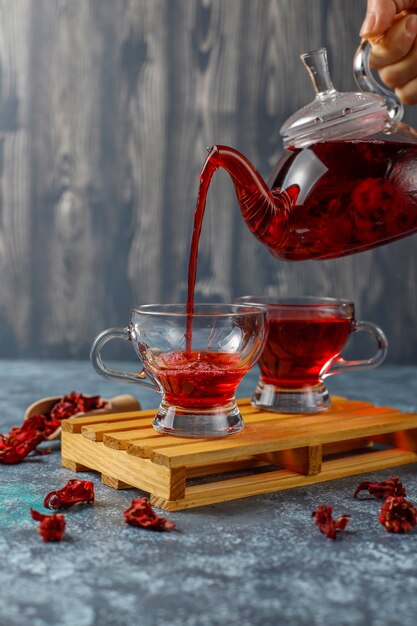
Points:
(335, 115)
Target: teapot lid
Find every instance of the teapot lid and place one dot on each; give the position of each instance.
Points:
(333, 115)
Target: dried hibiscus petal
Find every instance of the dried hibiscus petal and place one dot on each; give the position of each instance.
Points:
(51, 527)
(389, 487)
(24, 439)
(75, 492)
(15, 451)
(41, 423)
(398, 515)
(74, 403)
(327, 525)
(140, 513)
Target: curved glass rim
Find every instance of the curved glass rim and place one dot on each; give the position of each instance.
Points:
(310, 302)
(201, 310)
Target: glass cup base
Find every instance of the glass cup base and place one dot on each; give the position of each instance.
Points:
(303, 400)
(198, 423)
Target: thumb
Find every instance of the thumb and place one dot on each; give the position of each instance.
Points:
(381, 13)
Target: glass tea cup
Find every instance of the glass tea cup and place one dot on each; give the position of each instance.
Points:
(197, 383)
(305, 338)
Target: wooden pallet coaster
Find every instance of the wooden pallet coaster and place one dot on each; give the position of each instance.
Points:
(272, 453)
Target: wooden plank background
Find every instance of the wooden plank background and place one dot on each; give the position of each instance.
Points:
(106, 108)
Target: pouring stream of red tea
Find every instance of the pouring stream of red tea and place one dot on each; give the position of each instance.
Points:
(205, 178)
(235, 164)
(264, 211)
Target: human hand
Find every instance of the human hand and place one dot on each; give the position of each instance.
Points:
(391, 27)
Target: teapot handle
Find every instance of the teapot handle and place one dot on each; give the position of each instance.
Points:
(367, 82)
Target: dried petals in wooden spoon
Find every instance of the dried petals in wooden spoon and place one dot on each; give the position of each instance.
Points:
(116, 404)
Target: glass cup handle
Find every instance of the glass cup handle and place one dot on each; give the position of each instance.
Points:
(340, 364)
(108, 372)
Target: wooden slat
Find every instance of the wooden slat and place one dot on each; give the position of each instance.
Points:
(114, 483)
(118, 436)
(236, 488)
(94, 428)
(406, 440)
(96, 432)
(74, 466)
(74, 424)
(210, 469)
(307, 460)
(255, 436)
(119, 439)
(133, 442)
(98, 423)
(256, 442)
(347, 446)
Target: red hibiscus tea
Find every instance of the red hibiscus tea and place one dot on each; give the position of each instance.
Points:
(305, 340)
(298, 348)
(198, 379)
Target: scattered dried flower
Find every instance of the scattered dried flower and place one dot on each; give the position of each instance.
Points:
(51, 527)
(140, 513)
(327, 525)
(75, 492)
(389, 487)
(398, 515)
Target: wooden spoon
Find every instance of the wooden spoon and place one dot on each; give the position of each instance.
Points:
(117, 404)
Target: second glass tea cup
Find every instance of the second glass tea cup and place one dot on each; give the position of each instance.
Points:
(197, 383)
(305, 340)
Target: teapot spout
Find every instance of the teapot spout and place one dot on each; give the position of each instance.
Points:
(265, 211)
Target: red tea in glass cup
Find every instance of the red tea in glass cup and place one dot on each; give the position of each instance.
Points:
(305, 339)
(197, 374)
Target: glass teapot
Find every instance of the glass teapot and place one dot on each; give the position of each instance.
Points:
(347, 180)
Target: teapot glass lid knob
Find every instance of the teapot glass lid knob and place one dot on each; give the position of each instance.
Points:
(318, 68)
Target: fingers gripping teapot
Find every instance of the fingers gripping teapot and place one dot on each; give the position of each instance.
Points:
(347, 181)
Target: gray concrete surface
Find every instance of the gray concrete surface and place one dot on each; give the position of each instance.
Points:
(256, 561)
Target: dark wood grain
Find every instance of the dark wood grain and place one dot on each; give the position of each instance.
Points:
(204, 47)
(15, 178)
(106, 109)
(67, 177)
